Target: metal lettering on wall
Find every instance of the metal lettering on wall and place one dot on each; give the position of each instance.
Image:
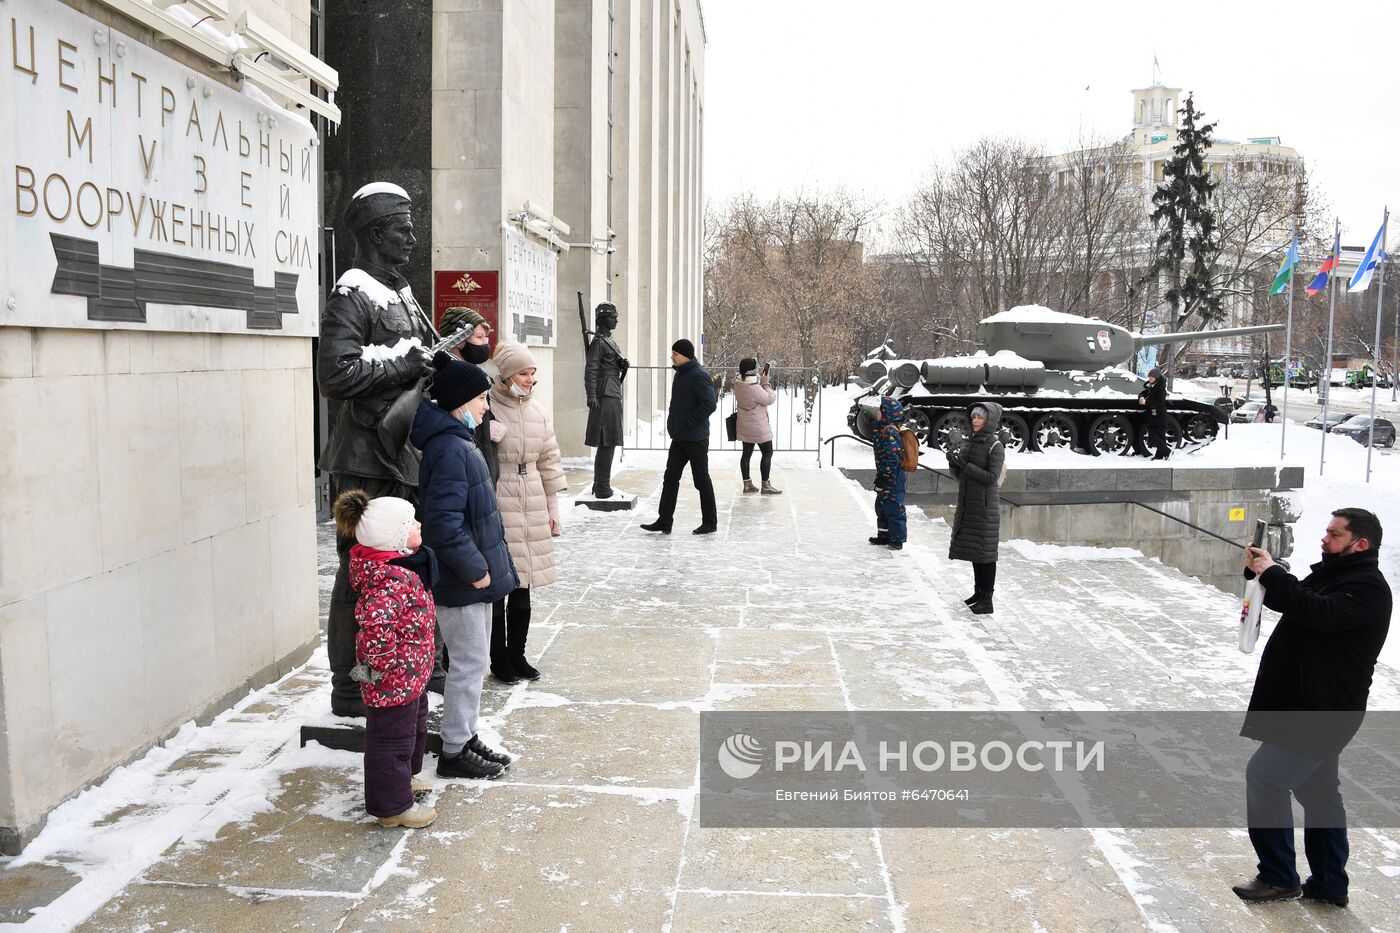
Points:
(531, 288)
(146, 194)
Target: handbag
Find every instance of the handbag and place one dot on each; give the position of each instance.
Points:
(731, 426)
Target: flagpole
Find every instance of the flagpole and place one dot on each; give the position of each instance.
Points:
(1376, 350)
(1287, 355)
(1327, 359)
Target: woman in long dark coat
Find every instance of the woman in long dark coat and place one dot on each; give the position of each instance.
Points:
(977, 465)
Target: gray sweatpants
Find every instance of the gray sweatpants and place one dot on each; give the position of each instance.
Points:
(467, 631)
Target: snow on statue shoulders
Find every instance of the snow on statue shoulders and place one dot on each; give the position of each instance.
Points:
(379, 294)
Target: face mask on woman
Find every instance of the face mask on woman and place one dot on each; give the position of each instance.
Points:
(476, 354)
(519, 392)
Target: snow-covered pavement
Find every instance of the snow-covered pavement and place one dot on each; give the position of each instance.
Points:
(233, 826)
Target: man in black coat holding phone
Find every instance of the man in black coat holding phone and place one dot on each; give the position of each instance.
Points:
(693, 400)
(1309, 700)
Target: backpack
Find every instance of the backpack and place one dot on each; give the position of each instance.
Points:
(909, 456)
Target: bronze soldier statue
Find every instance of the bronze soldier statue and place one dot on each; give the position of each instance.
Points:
(372, 348)
(602, 382)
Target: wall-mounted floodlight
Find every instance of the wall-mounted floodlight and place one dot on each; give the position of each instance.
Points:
(262, 36)
(598, 244)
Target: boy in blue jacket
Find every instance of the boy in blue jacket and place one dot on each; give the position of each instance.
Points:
(463, 527)
(891, 527)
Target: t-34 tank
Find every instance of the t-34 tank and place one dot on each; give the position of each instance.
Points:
(1057, 377)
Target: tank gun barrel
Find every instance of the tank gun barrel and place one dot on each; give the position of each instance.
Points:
(1145, 340)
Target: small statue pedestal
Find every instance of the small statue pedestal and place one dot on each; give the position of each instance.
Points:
(619, 502)
(348, 733)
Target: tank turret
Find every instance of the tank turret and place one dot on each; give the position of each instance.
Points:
(1068, 341)
(1057, 376)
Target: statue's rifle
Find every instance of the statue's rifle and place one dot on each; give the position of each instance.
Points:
(394, 427)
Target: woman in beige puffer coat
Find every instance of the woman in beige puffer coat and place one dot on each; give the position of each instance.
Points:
(531, 478)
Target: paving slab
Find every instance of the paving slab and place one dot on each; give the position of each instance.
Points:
(704, 912)
(316, 837)
(532, 858)
(212, 909)
(613, 663)
(27, 888)
(603, 744)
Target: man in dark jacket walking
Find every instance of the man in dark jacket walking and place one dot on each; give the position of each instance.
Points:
(1309, 700)
(372, 348)
(693, 400)
(1153, 399)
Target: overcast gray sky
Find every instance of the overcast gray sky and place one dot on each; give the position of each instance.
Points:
(864, 95)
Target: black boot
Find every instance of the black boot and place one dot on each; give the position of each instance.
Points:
(658, 525)
(971, 600)
(707, 528)
(468, 764)
(523, 668)
(487, 752)
(602, 472)
(880, 539)
(983, 606)
(504, 671)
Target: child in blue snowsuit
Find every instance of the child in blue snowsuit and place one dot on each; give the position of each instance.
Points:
(890, 525)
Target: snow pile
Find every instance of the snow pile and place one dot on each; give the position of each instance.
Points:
(1010, 359)
(200, 23)
(1055, 553)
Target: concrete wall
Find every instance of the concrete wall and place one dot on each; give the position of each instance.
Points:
(157, 536)
(1095, 508)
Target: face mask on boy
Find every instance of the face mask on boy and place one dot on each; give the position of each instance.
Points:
(468, 420)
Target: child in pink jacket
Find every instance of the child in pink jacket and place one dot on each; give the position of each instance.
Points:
(393, 575)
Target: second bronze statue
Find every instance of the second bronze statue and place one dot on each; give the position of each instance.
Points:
(603, 373)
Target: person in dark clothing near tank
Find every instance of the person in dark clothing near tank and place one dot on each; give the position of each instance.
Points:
(1153, 400)
(1309, 700)
(977, 464)
(891, 521)
(372, 348)
(693, 400)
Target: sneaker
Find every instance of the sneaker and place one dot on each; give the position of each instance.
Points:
(895, 545)
(467, 764)
(421, 786)
(705, 530)
(1258, 890)
(523, 668)
(1311, 893)
(504, 671)
(415, 817)
(487, 752)
(658, 525)
(880, 539)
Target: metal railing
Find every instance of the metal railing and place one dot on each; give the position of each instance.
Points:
(1016, 505)
(796, 426)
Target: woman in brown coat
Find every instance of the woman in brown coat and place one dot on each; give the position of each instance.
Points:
(531, 478)
(752, 396)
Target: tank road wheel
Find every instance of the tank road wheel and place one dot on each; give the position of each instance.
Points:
(1200, 429)
(1015, 434)
(864, 424)
(918, 422)
(1054, 430)
(1175, 438)
(1110, 434)
(951, 427)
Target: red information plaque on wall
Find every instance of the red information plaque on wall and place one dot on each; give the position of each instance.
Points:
(479, 291)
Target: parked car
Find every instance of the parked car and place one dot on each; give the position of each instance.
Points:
(1334, 418)
(1358, 429)
(1246, 413)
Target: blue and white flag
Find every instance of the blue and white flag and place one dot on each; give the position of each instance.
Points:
(1375, 254)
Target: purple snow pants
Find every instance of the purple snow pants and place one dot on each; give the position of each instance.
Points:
(395, 739)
